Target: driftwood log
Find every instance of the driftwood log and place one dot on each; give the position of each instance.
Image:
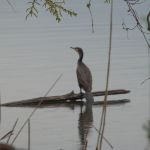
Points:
(70, 98)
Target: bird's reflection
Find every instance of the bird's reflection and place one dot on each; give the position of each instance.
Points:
(85, 123)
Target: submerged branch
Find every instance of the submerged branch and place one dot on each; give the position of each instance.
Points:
(67, 98)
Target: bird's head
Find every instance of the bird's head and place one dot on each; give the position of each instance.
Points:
(78, 50)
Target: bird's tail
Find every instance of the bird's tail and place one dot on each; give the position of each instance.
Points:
(89, 98)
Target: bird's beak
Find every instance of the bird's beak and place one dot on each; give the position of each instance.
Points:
(72, 48)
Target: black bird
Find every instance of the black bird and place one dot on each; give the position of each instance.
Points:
(84, 76)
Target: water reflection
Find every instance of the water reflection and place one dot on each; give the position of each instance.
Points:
(85, 123)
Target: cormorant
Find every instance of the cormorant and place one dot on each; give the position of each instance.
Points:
(84, 76)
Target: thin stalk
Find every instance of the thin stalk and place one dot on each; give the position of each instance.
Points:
(103, 117)
(149, 75)
(29, 134)
(12, 130)
(106, 140)
(35, 109)
(108, 74)
(0, 109)
(100, 128)
(6, 135)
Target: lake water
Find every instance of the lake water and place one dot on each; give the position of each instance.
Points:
(34, 52)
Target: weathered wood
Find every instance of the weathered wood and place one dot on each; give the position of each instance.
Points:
(67, 98)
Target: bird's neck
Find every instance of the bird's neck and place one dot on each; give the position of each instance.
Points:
(80, 57)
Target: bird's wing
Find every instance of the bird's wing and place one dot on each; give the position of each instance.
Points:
(84, 77)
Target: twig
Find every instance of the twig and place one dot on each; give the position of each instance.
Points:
(145, 81)
(12, 130)
(34, 110)
(12, 7)
(127, 28)
(89, 7)
(135, 16)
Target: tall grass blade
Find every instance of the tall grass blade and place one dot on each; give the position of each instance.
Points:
(12, 130)
(35, 109)
(29, 134)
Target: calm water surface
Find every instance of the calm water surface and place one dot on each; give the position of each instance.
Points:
(35, 52)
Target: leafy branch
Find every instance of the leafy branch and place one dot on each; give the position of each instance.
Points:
(54, 8)
(32, 10)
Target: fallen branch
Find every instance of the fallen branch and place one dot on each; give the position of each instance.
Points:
(67, 98)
